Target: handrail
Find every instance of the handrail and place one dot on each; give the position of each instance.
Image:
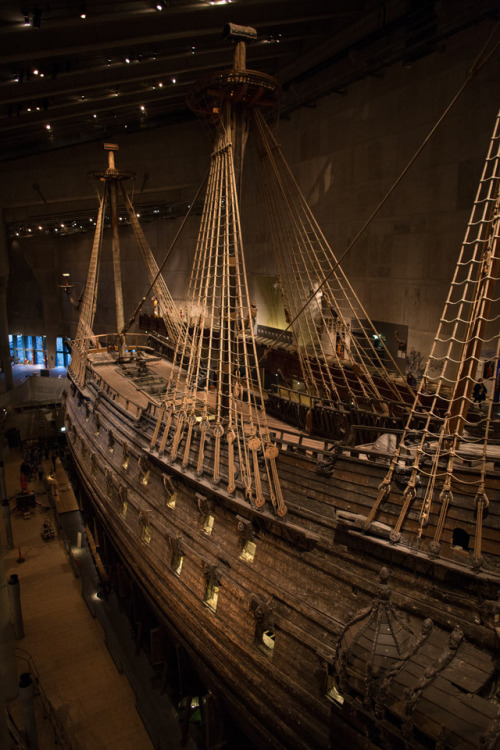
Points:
(60, 735)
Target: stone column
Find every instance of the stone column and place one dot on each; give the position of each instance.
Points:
(4, 335)
(7, 521)
(27, 699)
(14, 590)
(8, 670)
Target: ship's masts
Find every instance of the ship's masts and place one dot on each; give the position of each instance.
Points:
(235, 121)
(115, 247)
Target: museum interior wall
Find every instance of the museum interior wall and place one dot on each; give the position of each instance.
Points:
(346, 150)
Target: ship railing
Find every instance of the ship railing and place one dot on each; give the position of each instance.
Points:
(109, 342)
(317, 448)
(131, 406)
(60, 736)
(370, 406)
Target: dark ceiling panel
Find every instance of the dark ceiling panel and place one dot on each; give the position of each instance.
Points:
(65, 79)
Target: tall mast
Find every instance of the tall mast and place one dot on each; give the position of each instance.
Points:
(227, 98)
(111, 179)
(213, 415)
(112, 183)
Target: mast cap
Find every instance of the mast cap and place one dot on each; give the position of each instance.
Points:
(239, 33)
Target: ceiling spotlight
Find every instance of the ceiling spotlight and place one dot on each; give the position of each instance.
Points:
(83, 11)
(174, 80)
(48, 127)
(27, 21)
(160, 4)
(127, 59)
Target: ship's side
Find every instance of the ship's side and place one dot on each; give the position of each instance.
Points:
(262, 603)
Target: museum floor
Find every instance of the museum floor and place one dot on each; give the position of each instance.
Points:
(80, 648)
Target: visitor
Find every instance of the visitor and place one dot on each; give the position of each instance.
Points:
(479, 392)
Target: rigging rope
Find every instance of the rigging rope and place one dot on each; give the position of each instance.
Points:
(448, 427)
(214, 387)
(480, 61)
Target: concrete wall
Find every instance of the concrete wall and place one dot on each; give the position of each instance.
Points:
(346, 152)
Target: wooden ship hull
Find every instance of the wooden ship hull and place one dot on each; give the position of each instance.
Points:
(335, 584)
(266, 645)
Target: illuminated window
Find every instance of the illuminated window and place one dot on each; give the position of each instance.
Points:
(331, 689)
(208, 524)
(248, 551)
(171, 494)
(211, 596)
(63, 357)
(268, 638)
(176, 563)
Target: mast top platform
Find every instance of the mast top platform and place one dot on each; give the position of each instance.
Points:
(111, 171)
(238, 85)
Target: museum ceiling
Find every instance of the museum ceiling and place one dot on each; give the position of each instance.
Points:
(74, 71)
